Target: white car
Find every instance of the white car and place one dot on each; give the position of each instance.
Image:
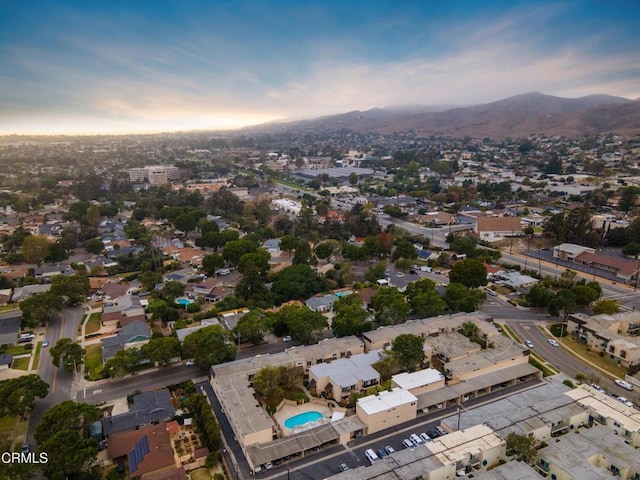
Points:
(287, 338)
(553, 343)
(597, 387)
(528, 343)
(45, 343)
(190, 363)
(623, 384)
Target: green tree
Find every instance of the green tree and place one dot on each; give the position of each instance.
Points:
(211, 263)
(584, 294)
(303, 255)
(234, 250)
(57, 253)
(161, 350)
(409, 350)
(63, 432)
(94, 245)
(325, 249)
(35, 248)
(251, 327)
(631, 249)
(267, 381)
(539, 296)
(208, 346)
(297, 282)
(173, 289)
(470, 273)
(92, 217)
(185, 222)
(459, 298)
(523, 446)
(258, 259)
(289, 243)
(424, 299)
(606, 306)
(69, 352)
(73, 288)
(38, 309)
(405, 249)
(350, 318)
(302, 323)
(564, 302)
(123, 362)
(390, 306)
(469, 329)
(208, 427)
(17, 395)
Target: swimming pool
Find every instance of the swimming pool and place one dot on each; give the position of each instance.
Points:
(302, 418)
(184, 301)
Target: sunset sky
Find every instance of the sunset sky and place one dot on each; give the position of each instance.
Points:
(137, 66)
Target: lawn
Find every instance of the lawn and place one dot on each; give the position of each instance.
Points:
(17, 350)
(93, 324)
(21, 363)
(7, 308)
(93, 362)
(202, 474)
(580, 349)
(37, 358)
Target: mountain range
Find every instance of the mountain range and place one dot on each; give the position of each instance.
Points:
(518, 116)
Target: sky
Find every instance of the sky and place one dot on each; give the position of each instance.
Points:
(144, 66)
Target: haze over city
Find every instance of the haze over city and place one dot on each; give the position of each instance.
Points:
(85, 67)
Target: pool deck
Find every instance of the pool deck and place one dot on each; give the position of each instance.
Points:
(288, 411)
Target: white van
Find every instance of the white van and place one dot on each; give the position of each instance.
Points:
(372, 456)
(623, 384)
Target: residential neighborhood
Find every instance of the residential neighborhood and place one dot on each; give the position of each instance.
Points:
(247, 318)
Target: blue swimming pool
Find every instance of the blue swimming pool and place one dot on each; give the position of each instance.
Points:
(302, 418)
(184, 301)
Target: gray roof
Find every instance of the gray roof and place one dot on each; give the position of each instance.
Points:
(131, 331)
(324, 301)
(6, 359)
(27, 291)
(147, 407)
(9, 327)
(346, 372)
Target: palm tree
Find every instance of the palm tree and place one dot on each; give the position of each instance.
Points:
(469, 329)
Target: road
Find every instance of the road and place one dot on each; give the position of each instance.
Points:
(437, 236)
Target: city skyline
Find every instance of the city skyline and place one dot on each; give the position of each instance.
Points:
(119, 67)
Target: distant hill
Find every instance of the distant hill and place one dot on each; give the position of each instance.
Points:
(518, 116)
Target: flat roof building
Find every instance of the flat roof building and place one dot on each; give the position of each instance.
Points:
(386, 409)
(420, 381)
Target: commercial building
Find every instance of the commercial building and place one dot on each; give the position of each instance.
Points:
(493, 229)
(155, 174)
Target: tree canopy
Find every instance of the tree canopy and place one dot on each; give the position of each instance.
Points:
(409, 350)
(208, 346)
(38, 309)
(63, 432)
(17, 395)
(161, 350)
(70, 353)
(390, 306)
(470, 273)
(350, 318)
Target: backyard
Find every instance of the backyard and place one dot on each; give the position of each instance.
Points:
(13, 427)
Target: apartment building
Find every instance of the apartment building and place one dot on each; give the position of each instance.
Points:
(386, 409)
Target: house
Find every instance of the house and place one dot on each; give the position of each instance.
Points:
(10, 327)
(517, 280)
(494, 229)
(27, 291)
(134, 334)
(183, 333)
(147, 408)
(45, 272)
(5, 361)
(272, 246)
(145, 452)
(113, 291)
(182, 276)
(321, 304)
(437, 219)
(230, 318)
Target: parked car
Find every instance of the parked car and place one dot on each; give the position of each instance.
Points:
(553, 343)
(390, 449)
(268, 466)
(623, 384)
(407, 443)
(416, 439)
(382, 452)
(287, 338)
(433, 434)
(441, 430)
(528, 343)
(45, 343)
(26, 448)
(425, 438)
(344, 467)
(190, 363)
(371, 456)
(597, 387)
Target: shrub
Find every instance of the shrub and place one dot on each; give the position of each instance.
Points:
(569, 383)
(193, 307)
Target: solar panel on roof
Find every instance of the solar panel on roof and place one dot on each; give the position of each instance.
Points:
(133, 464)
(145, 445)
